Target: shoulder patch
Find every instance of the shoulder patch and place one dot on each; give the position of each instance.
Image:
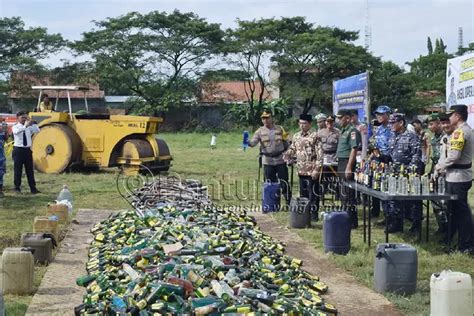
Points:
(456, 134)
(457, 140)
(353, 135)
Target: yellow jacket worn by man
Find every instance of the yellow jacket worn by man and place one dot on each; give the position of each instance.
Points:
(273, 140)
(46, 105)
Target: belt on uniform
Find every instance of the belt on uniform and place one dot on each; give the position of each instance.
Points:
(273, 155)
(329, 151)
(460, 166)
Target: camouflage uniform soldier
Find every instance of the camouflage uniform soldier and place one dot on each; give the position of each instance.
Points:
(306, 148)
(439, 207)
(458, 168)
(404, 150)
(273, 140)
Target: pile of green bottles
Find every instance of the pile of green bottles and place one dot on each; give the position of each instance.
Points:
(173, 260)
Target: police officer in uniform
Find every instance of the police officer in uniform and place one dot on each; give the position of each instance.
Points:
(273, 140)
(321, 121)
(404, 150)
(380, 141)
(458, 168)
(329, 138)
(436, 129)
(306, 150)
(348, 145)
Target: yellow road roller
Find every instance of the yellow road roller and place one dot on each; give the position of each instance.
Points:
(98, 140)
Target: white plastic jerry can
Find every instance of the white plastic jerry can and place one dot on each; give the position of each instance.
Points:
(451, 294)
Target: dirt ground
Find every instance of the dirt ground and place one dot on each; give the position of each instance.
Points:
(350, 296)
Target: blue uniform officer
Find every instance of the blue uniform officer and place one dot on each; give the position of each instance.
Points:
(380, 141)
(404, 152)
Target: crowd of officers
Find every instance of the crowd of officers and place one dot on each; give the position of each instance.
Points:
(446, 151)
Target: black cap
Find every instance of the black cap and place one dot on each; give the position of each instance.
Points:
(306, 117)
(354, 112)
(21, 113)
(458, 108)
(331, 118)
(343, 113)
(396, 117)
(443, 117)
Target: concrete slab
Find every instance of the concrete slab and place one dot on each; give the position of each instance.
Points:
(58, 293)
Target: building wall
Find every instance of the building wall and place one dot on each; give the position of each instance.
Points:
(209, 117)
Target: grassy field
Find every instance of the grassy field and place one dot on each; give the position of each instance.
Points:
(90, 190)
(231, 175)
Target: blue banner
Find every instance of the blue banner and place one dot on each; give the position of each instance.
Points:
(352, 94)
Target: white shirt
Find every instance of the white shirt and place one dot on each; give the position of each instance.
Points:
(18, 130)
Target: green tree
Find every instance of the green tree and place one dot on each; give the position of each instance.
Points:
(248, 47)
(430, 70)
(430, 46)
(21, 48)
(224, 75)
(462, 50)
(391, 85)
(428, 73)
(80, 73)
(155, 56)
(309, 61)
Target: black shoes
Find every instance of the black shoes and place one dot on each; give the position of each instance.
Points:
(354, 219)
(415, 227)
(442, 231)
(395, 225)
(35, 191)
(380, 222)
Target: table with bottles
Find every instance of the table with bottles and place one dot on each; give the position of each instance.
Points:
(379, 180)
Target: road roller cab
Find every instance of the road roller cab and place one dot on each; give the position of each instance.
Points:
(94, 139)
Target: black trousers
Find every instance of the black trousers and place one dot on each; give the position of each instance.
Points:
(460, 213)
(23, 157)
(309, 189)
(278, 173)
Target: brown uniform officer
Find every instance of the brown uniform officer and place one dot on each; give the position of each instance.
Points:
(273, 140)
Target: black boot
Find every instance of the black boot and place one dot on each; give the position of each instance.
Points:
(415, 227)
(375, 210)
(1, 191)
(354, 219)
(442, 230)
(395, 225)
(380, 222)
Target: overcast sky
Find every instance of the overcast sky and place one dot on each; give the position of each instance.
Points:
(399, 27)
